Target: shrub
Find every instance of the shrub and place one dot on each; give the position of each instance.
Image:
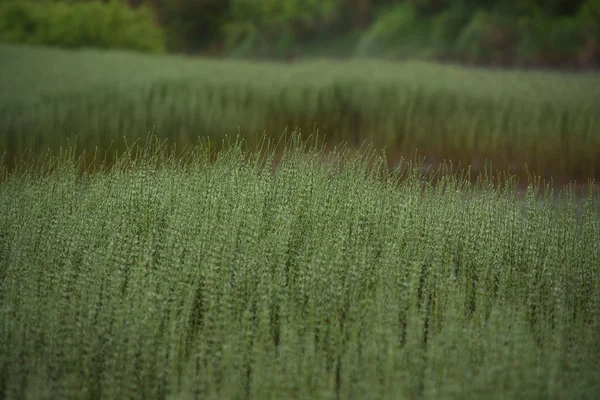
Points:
(446, 27)
(75, 25)
(271, 27)
(487, 38)
(551, 41)
(531, 35)
(396, 32)
(589, 18)
(190, 25)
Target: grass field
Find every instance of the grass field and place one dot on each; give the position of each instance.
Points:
(327, 277)
(549, 120)
(196, 268)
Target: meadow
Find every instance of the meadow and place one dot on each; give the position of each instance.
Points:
(217, 275)
(269, 266)
(547, 120)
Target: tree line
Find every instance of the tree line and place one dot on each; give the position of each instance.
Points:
(503, 32)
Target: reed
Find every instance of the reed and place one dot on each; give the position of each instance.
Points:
(217, 276)
(549, 121)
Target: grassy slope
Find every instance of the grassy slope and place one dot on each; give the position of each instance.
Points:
(549, 120)
(228, 280)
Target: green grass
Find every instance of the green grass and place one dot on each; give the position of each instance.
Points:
(195, 277)
(549, 120)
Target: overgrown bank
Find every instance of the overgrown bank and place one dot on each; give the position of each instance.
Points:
(549, 121)
(556, 33)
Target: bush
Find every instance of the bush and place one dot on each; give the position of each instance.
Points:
(551, 41)
(529, 35)
(191, 25)
(75, 25)
(447, 25)
(505, 33)
(272, 27)
(396, 33)
(589, 18)
(488, 38)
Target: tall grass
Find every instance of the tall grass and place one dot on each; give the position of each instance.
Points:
(325, 277)
(550, 121)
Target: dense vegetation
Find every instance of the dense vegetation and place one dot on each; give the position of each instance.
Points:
(505, 32)
(75, 25)
(498, 32)
(549, 121)
(182, 277)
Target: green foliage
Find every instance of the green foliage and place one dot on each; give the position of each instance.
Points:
(75, 25)
(486, 33)
(447, 26)
(223, 278)
(551, 41)
(549, 121)
(589, 18)
(470, 42)
(191, 25)
(499, 32)
(270, 27)
(396, 32)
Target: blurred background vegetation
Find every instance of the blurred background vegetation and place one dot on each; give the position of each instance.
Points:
(524, 33)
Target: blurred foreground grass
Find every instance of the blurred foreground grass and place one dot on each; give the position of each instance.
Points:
(167, 277)
(550, 121)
